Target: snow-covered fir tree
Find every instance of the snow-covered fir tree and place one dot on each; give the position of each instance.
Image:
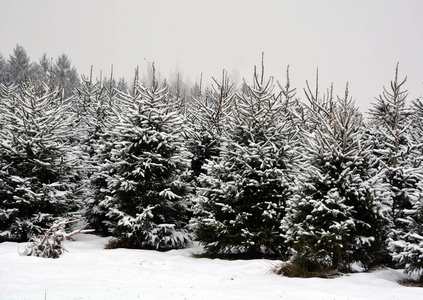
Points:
(243, 194)
(207, 115)
(336, 215)
(396, 144)
(37, 165)
(417, 114)
(408, 248)
(93, 105)
(178, 94)
(97, 113)
(3, 68)
(149, 204)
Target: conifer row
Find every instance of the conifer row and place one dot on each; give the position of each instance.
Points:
(252, 171)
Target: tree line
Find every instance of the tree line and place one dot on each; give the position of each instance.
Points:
(251, 171)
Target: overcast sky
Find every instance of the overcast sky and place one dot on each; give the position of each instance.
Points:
(358, 41)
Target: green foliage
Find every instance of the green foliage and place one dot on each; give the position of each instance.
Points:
(336, 216)
(243, 194)
(208, 114)
(397, 136)
(408, 250)
(37, 171)
(148, 205)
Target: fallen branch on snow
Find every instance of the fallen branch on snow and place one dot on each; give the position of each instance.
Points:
(50, 245)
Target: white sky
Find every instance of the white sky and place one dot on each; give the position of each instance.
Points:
(358, 41)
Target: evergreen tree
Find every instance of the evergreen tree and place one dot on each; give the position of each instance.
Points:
(65, 75)
(45, 64)
(395, 144)
(178, 94)
(122, 85)
(336, 215)
(118, 85)
(89, 107)
(408, 247)
(98, 114)
(19, 66)
(114, 102)
(37, 166)
(244, 191)
(3, 68)
(148, 205)
(417, 129)
(408, 250)
(44, 67)
(207, 115)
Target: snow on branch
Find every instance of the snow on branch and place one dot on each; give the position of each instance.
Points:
(50, 244)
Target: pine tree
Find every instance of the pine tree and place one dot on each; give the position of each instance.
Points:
(98, 114)
(65, 75)
(408, 248)
(207, 115)
(44, 69)
(395, 144)
(178, 95)
(90, 106)
(244, 191)
(336, 215)
(19, 66)
(417, 129)
(3, 68)
(45, 65)
(37, 166)
(113, 103)
(148, 205)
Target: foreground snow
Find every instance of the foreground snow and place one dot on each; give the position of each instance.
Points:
(88, 271)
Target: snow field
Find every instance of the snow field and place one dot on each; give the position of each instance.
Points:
(88, 271)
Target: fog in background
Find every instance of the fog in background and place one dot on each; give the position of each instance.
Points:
(356, 41)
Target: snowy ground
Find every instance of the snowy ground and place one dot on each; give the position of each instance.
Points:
(88, 271)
